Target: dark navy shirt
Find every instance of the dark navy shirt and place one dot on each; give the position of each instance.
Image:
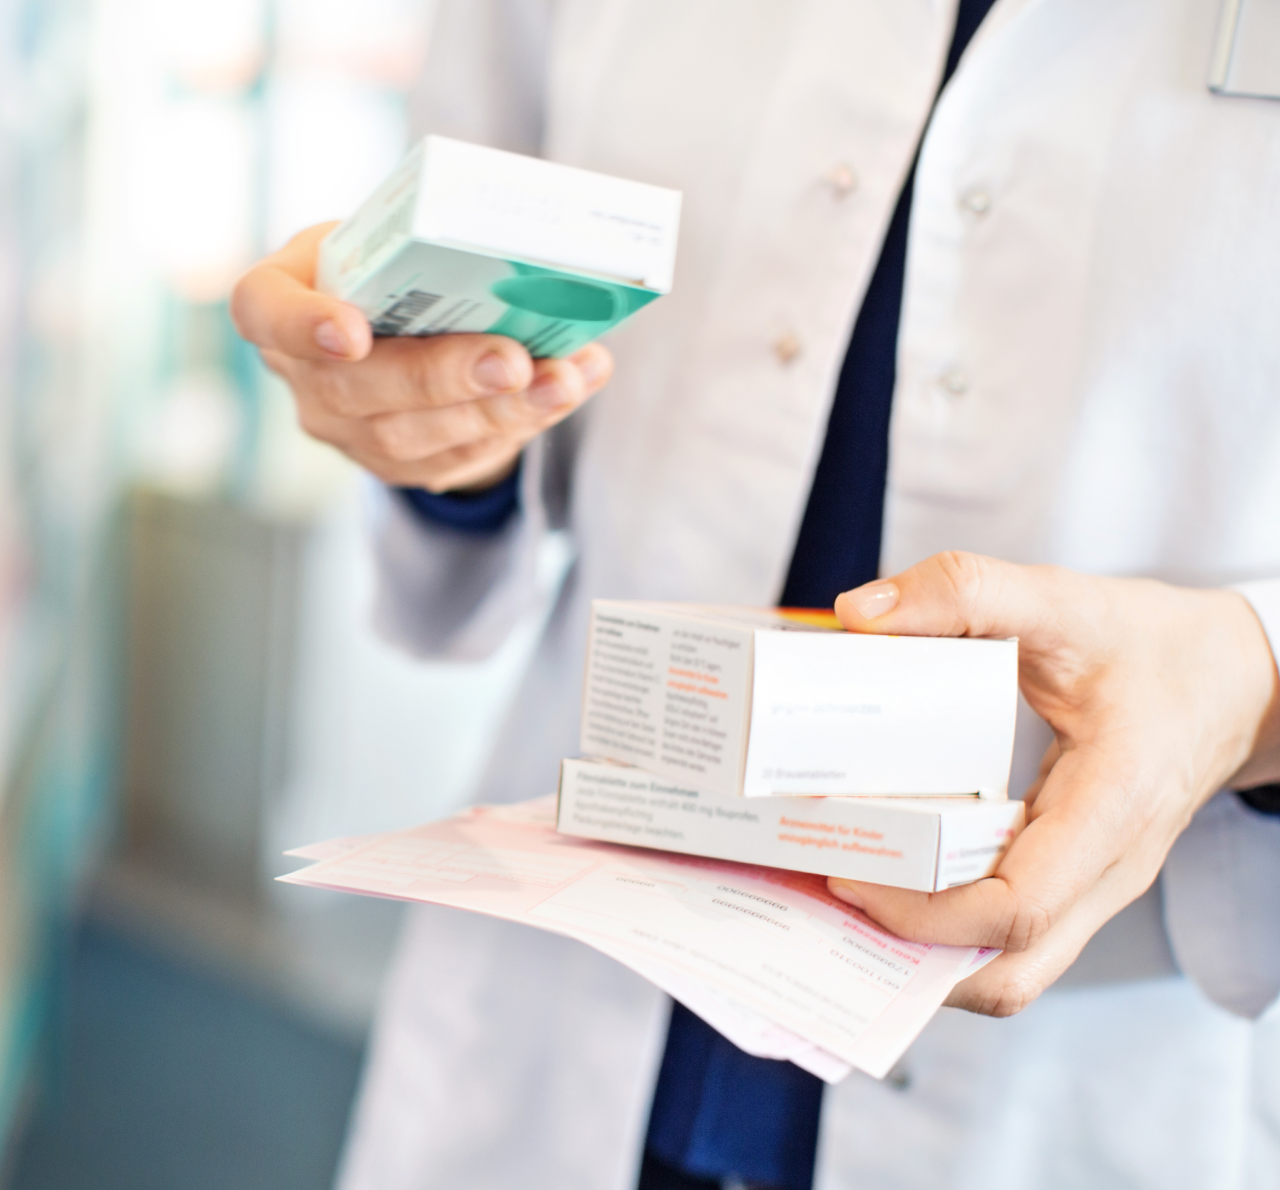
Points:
(477, 513)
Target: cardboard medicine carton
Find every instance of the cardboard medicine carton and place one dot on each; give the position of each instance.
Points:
(738, 701)
(465, 238)
(920, 843)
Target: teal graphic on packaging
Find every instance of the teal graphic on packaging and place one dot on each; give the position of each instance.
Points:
(552, 313)
(461, 238)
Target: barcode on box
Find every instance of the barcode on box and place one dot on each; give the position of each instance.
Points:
(404, 312)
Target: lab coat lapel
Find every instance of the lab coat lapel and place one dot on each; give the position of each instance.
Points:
(816, 195)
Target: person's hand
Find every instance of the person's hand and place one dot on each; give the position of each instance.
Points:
(1158, 696)
(442, 413)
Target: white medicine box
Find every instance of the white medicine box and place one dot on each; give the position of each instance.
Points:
(769, 703)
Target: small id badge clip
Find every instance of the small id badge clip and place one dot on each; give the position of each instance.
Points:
(1246, 57)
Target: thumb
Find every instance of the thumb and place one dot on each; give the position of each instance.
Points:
(961, 594)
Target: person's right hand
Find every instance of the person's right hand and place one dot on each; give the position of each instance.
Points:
(443, 413)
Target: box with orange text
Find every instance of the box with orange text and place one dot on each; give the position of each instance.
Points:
(919, 843)
(764, 703)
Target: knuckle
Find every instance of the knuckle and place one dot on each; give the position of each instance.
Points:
(482, 451)
(394, 439)
(962, 572)
(419, 371)
(277, 362)
(313, 423)
(339, 399)
(316, 384)
(1011, 995)
(483, 420)
(433, 371)
(437, 481)
(1026, 924)
(393, 474)
(464, 464)
(966, 576)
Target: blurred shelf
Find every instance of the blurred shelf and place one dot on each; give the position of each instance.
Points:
(323, 957)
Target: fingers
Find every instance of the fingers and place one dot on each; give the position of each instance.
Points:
(457, 465)
(401, 375)
(985, 913)
(961, 594)
(439, 412)
(436, 446)
(1051, 756)
(514, 419)
(276, 306)
(595, 363)
(415, 374)
(557, 388)
(474, 465)
(1011, 981)
(1082, 820)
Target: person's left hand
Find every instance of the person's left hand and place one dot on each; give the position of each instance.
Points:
(1158, 696)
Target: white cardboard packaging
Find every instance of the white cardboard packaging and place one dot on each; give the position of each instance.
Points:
(925, 844)
(464, 238)
(762, 703)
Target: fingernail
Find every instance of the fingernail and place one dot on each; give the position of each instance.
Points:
(593, 367)
(547, 395)
(846, 893)
(875, 599)
(330, 337)
(493, 374)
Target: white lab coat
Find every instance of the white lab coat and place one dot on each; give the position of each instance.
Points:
(1089, 374)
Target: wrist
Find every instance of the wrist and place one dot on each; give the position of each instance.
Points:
(480, 513)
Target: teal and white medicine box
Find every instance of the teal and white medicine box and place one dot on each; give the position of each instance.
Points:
(466, 238)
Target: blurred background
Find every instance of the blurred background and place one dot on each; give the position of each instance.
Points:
(189, 682)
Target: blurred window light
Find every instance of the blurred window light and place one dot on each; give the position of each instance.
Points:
(196, 196)
(378, 41)
(208, 47)
(332, 142)
(220, 130)
(186, 446)
(149, 151)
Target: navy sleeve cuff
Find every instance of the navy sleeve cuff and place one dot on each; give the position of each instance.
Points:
(477, 513)
(1265, 799)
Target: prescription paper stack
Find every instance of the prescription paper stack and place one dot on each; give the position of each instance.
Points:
(769, 958)
(463, 238)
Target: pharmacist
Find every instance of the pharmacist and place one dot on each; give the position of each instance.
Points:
(1036, 323)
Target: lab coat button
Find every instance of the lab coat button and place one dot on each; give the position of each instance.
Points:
(786, 348)
(842, 180)
(976, 202)
(955, 382)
